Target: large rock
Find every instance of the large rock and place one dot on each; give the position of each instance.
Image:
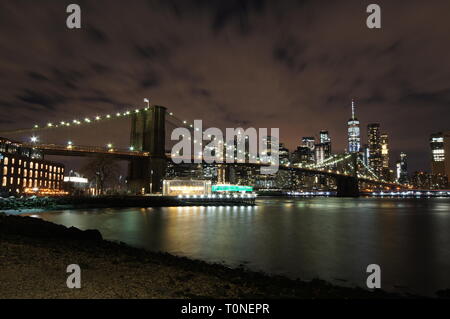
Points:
(37, 228)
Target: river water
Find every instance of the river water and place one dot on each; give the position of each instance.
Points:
(328, 238)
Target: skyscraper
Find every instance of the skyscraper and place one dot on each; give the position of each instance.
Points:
(325, 142)
(325, 137)
(440, 153)
(354, 138)
(374, 143)
(402, 169)
(386, 173)
(308, 141)
(384, 140)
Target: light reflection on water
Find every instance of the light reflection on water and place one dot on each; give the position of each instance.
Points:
(330, 238)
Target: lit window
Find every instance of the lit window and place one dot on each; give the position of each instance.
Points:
(6, 161)
(4, 182)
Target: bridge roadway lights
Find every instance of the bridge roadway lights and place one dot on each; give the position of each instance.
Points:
(148, 130)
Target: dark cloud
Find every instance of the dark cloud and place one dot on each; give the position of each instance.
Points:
(42, 100)
(37, 76)
(201, 92)
(237, 11)
(289, 53)
(290, 64)
(96, 35)
(150, 80)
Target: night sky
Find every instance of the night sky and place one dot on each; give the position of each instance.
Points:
(295, 65)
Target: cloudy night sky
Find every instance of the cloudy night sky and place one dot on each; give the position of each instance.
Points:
(295, 65)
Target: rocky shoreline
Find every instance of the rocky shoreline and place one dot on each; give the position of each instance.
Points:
(19, 204)
(35, 254)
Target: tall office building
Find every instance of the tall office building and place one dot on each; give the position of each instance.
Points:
(440, 154)
(309, 141)
(319, 153)
(384, 140)
(374, 143)
(325, 137)
(302, 155)
(325, 143)
(354, 135)
(365, 154)
(402, 169)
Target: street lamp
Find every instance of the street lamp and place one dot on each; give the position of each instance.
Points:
(34, 139)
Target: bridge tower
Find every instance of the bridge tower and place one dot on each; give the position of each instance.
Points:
(348, 186)
(148, 134)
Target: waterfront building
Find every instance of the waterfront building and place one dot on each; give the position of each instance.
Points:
(76, 184)
(23, 170)
(177, 187)
(354, 134)
(440, 153)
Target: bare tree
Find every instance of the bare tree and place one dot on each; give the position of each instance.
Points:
(103, 170)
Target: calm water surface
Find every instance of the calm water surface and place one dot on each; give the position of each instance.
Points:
(330, 238)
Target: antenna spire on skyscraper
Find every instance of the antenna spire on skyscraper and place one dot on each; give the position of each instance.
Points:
(353, 109)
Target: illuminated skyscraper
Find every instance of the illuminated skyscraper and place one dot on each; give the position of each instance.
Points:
(440, 153)
(325, 137)
(374, 143)
(325, 144)
(386, 173)
(402, 169)
(309, 141)
(385, 150)
(354, 135)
